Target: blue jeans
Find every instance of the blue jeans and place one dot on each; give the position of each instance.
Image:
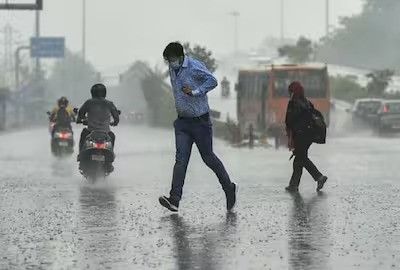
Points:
(198, 131)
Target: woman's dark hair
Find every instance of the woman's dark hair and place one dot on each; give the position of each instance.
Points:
(174, 49)
(296, 89)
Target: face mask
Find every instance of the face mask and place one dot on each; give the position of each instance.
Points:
(175, 65)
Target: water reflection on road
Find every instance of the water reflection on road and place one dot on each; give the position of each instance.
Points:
(309, 232)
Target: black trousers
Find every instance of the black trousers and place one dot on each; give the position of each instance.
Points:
(302, 143)
(86, 132)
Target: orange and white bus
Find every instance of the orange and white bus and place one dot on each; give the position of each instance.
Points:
(262, 96)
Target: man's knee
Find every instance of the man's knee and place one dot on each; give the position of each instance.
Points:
(181, 163)
(182, 159)
(209, 159)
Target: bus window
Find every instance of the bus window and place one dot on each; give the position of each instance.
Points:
(248, 87)
(264, 86)
(259, 84)
(244, 86)
(251, 86)
(313, 81)
(255, 87)
(315, 85)
(240, 86)
(282, 82)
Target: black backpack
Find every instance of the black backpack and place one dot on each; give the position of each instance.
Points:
(318, 127)
(62, 117)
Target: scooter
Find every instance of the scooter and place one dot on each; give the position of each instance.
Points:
(97, 154)
(62, 140)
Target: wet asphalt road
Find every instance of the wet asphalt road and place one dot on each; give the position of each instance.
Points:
(50, 218)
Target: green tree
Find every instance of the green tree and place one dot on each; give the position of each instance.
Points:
(380, 4)
(369, 40)
(159, 98)
(202, 54)
(346, 88)
(299, 53)
(379, 81)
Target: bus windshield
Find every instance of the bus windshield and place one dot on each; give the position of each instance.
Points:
(313, 81)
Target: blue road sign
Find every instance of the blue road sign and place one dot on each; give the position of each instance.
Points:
(47, 47)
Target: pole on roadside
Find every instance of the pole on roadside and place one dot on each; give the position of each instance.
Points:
(84, 30)
(327, 18)
(37, 35)
(17, 63)
(236, 15)
(282, 27)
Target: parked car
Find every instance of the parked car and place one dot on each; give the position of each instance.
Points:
(365, 110)
(388, 116)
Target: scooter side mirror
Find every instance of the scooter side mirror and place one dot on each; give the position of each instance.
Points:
(48, 113)
(76, 110)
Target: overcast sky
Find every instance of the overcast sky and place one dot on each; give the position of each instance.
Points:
(122, 31)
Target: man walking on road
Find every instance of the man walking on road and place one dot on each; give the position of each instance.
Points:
(191, 81)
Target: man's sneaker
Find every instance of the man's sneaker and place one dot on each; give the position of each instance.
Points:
(321, 182)
(168, 203)
(292, 189)
(231, 197)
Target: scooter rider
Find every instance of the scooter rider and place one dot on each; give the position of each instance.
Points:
(62, 115)
(98, 111)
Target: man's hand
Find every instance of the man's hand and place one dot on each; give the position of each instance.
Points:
(186, 89)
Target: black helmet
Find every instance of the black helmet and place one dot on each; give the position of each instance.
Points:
(98, 90)
(62, 102)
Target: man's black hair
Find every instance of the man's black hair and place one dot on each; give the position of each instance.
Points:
(174, 49)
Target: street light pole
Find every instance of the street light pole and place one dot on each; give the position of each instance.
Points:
(327, 11)
(282, 21)
(37, 35)
(17, 63)
(236, 15)
(84, 30)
